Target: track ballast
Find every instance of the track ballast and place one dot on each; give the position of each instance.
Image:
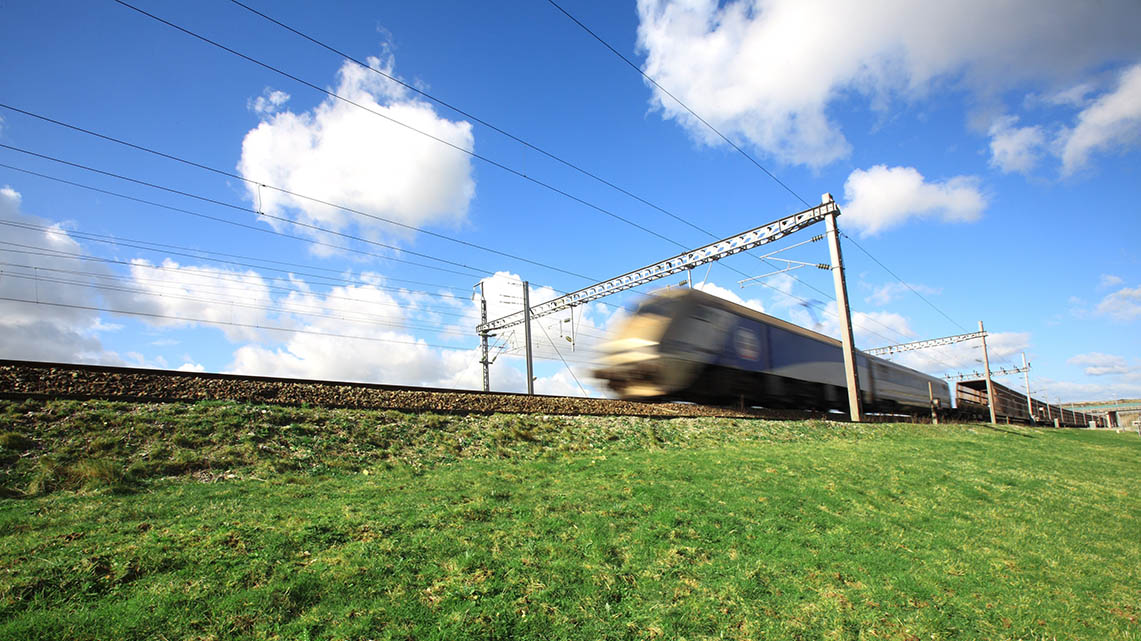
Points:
(28, 379)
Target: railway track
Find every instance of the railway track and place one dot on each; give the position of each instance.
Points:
(28, 379)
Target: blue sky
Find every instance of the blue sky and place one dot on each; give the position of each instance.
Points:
(988, 156)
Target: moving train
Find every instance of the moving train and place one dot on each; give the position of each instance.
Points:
(684, 344)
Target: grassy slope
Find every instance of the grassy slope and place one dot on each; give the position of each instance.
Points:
(599, 528)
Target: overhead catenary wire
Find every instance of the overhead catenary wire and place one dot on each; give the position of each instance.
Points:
(234, 223)
(213, 286)
(467, 114)
(51, 252)
(223, 203)
(678, 101)
(340, 315)
(206, 321)
(459, 148)
(370, 110)
(728, 141)
(905, 283)
(282, 190)
(176, 250)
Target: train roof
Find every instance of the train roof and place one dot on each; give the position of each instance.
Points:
(745, 311)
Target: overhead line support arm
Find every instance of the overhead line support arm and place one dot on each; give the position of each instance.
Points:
(686, 260)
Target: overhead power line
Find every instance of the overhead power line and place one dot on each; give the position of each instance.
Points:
(248, 261)
(678, 101)
(905, 283)
(282, 190)
(738, 148)
(442, 141)
(206, 321)
(470, 116)
(234, 223)
(339, 315)
(222, 203)
(32, 250)
(213, 286)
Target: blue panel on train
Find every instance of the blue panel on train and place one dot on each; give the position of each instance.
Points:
(789, 348)
(746, 347)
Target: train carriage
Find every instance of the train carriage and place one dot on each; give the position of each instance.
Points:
(689, 345)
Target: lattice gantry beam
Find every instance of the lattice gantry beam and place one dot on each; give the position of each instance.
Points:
(994, 372)
(687, 260)
(934, 342)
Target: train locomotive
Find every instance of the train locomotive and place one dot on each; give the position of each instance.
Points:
(684, 344)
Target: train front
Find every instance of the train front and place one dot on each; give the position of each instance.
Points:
(637, 363)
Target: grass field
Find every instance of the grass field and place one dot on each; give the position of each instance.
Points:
(217, 521)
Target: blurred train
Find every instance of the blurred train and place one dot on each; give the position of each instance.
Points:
(686, 345)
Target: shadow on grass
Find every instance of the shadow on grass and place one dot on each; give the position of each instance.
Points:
(1006, 431)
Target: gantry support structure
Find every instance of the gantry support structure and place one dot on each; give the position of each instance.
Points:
(934, 342)
(756, 237)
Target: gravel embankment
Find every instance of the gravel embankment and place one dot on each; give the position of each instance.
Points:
(41, 380)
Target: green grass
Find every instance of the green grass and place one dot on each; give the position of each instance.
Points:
(559, 528)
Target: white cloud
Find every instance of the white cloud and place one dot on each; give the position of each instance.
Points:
(1015, 149)
(1113, 121)
(888, 292)
(191, 367)
(269, 102)
(1122, 305)
(769, 71)
(1098, 364)
(42, 331)
(228, 299)
(883, 197)
(342, 154)
(1109, 280)
(868, 327)
(967, 356)
(729, 295)
(1073, 392)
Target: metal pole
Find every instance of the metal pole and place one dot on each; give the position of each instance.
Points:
(931, 397)
(483, 341)
(851, 375)
(527, 335)
(1026, 377)
(989, 384)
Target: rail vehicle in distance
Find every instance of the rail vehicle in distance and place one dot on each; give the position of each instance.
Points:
(685, 344)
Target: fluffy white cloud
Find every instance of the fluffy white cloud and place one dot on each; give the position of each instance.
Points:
(269, 102)
(342, 154)
(883, 197)
(1122, 305)
(1098, 364)
(729, 295)
(233, 301)
(1015, 149)
(1075, 392)
(888, 292)
(36, 269)
(967, 356)
(767, 71)
(1113, 121)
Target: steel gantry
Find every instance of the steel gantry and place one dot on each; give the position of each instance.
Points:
(685, 261)
(934, 342)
